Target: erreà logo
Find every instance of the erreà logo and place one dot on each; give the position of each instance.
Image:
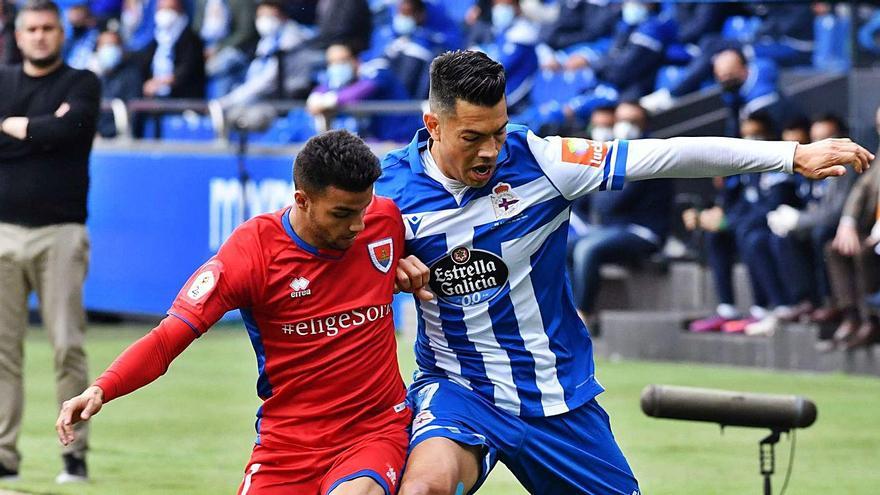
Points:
(466, 277)
(300, 287)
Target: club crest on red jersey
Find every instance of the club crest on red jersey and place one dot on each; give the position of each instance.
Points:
(381, 254)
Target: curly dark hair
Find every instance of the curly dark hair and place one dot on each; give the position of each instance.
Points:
(335, 158)
(465, 75)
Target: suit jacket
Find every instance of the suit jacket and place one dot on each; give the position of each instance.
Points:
(861, 204)
(189, 65)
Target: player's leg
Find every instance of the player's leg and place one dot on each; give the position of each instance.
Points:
(61, 258)
(371, 466)
(573, 453)
(363, 485)
(456, 437)
(442, 466)
(14, 290)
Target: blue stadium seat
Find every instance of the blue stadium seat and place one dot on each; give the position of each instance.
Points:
(190, 127)
(668, 76)
(740, 28)
(831, 46)
(560, 86)
(457, 8)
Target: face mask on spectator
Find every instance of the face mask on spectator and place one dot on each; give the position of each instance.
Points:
(109, 56)
(503, 16)
(339, 74)
(403, 24)
(267, 25)
(602, 133)
(165, 18)
(627, 130)
(731, 85)
(634, 13)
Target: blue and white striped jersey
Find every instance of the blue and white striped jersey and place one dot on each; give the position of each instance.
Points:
(504, 323)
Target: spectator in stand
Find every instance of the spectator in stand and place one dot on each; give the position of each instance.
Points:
(626, 72)
(228, 32)
(853, 264)
(785, 36)
(737, 227)
(348, 81)
(120, 77)
(278, 36)
(409, 45)
(633, 222)
(511, 42)
(136, 23)
(9, 54)
(80, 45)
(173, 63)
(105, 11)
(746, 87)
(797, 129)
(584, 28)
(819, 219)
(869, 34)
(695, 22)
(348, 22)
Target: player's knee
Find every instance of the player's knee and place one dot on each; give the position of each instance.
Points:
(430, 486)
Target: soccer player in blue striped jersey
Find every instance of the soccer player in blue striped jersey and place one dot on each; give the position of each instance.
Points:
(506, 365)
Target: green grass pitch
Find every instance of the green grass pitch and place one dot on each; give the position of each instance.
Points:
(192, 430)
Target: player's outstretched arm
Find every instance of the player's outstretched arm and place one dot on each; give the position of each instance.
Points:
(79, 408)
(140, 364)
(692, 157)
(413, 276)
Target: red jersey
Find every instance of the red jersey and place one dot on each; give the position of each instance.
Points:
(320, 323)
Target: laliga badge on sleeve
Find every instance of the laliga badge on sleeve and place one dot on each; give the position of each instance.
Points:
(381, 254)
(203, 283)
(583, 151)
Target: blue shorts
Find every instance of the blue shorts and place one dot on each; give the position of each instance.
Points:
(572, 453)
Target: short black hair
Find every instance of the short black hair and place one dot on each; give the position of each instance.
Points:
(37, 6)
(465, 75)
(834, 119)
(801, 123)
(278, 5)
(417, 5)
(335, 158)
(764, 120)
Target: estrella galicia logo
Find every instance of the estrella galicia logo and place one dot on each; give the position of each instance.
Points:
(466, 277)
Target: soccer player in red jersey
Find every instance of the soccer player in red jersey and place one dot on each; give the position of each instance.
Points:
(314, 284)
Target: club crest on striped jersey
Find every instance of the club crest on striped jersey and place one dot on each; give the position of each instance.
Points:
(381, 254)
(466, 277)
(584, 151)
(505, 202)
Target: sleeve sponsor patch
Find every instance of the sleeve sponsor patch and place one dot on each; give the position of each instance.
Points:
(203, 283)
(584, 151)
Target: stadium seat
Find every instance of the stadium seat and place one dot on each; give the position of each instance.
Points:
(560, 86)
(668, 76)
(831, 46)
(740, 28)
(186, 127)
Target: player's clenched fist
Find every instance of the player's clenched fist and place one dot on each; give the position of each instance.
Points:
(80, 408)
(413, 276)
(826, 158)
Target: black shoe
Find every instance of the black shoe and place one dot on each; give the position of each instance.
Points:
(7, 474)
(74, 469)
